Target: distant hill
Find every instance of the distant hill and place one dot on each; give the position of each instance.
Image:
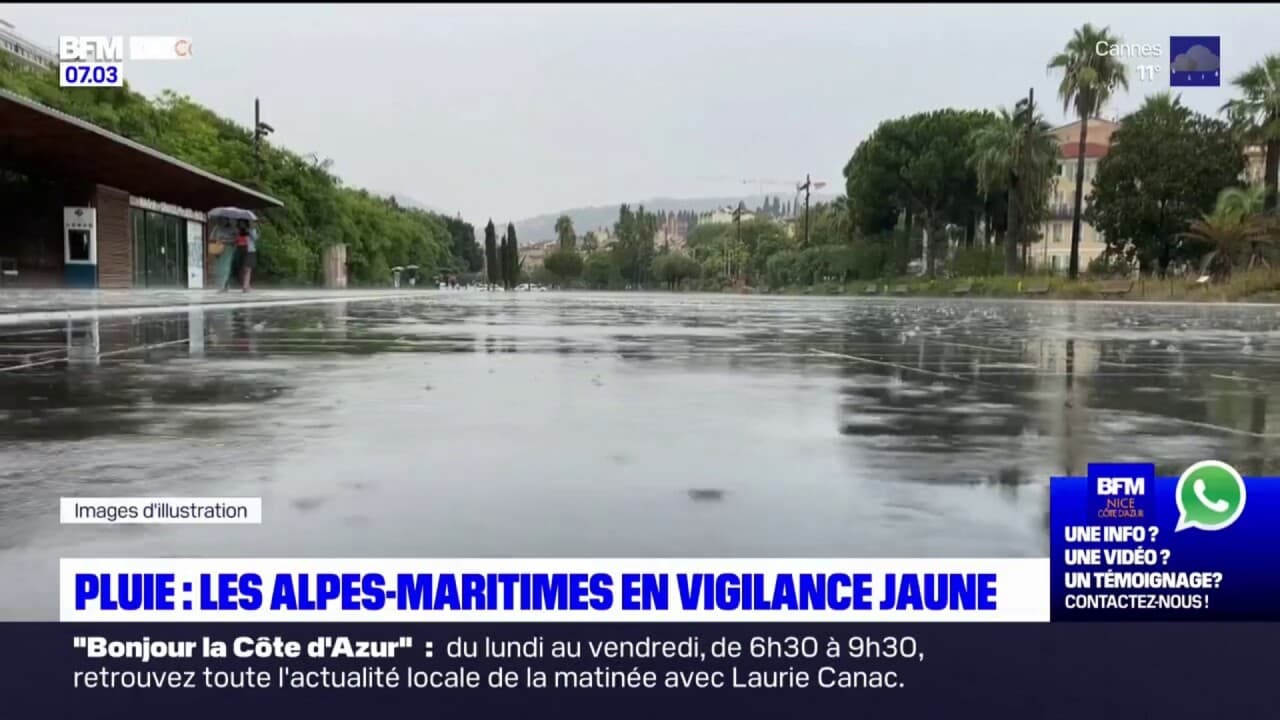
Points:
(542, 227)
(409, 202)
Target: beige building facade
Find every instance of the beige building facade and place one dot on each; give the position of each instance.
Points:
(1053, 249)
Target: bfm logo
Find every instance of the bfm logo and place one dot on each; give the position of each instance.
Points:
(1118, 492)
(1121, 486)
(91, 48)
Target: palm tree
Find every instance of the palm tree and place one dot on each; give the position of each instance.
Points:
(1257, 116)
(1230, 234)
(1241, 202)
(1088, 80)
(1016, 153)
(564, 232)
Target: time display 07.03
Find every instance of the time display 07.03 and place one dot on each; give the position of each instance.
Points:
(91, 74)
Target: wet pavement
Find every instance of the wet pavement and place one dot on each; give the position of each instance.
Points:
(20, 306)
(560, 424)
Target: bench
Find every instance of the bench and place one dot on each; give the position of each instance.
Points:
(8, 269)
(1036, 289)
(899, 289)
(1115, 287)
(962, 289)
(871, 290)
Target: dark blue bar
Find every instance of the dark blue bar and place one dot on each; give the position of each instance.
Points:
(1243, 557)
(1023, 671)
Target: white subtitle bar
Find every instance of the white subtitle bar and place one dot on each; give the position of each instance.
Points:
(155, 47)
(161, 511)
(553, 590)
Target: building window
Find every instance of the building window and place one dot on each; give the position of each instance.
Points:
(79, 246)
(1057, 232)
(1053, 261)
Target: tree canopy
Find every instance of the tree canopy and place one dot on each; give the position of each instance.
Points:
(1256, 117)
(919, 163)
(1166, 167)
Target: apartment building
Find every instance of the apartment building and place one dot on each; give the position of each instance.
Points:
(27, 53)
(1053, 250)
(722, 215)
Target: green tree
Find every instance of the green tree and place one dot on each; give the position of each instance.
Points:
(1016, 154)
(589, 243)
(1241, 202)
(511, 263)
(493, 266)
(1166, 168)
(564, 264)
(1257, 117)
(1229, 239)
(1088, 80)
(871, 185)
(467, 254)
(600, 271)
(783, 268)
(920, 163)
(671, 269)
(634, 248)
(564, 233)
(762, 238)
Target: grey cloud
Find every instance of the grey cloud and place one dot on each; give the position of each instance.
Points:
(1197, 58)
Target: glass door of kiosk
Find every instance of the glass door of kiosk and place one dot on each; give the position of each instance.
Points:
(80, 247)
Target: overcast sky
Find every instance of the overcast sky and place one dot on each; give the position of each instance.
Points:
(511, 111)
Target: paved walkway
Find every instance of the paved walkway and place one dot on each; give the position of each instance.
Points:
(34, 305)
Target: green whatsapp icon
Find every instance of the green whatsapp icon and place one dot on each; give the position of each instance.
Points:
(1210, 496)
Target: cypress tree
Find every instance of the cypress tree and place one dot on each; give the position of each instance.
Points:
(512, 263)
(491, 265)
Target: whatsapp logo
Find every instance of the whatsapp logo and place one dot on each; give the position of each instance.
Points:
(1210, 496)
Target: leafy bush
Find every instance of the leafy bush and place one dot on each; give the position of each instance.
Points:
(1109, 264)
(601, 271)
(564, 265)
(672, 269)
(782, 269)
(977, 262)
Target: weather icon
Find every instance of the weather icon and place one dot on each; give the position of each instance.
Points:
(1195, 61)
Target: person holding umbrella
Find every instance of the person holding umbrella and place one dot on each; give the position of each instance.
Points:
(242, 242)
(222, 238)
(246, 253)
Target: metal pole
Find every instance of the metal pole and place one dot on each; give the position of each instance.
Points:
(738, 244)
(257, 132)
(807, 184)
(1031, 122)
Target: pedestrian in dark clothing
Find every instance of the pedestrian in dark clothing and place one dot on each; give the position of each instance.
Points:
(246, 255)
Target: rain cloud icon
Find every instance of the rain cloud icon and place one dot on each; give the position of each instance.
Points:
(1195, 61)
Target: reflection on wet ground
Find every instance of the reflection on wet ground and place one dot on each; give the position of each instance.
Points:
(456, 424)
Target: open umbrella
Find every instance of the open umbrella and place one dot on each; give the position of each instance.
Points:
(234, 213)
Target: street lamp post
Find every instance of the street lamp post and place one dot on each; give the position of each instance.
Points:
(806, 186)
(260, 130)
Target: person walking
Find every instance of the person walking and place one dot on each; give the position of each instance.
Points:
(223, 238)
(246, 254)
